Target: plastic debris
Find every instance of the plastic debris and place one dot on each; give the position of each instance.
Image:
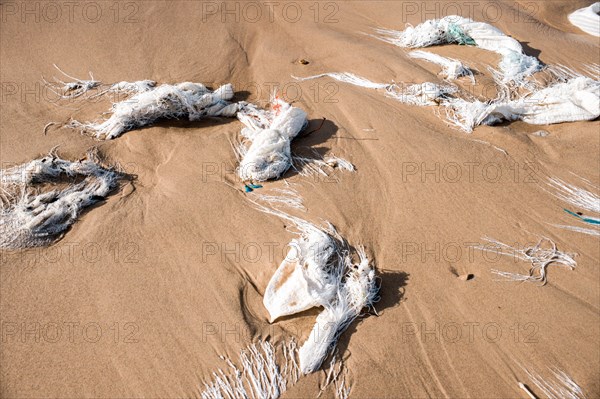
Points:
(577, 99)
(515, 65)
(587, 19)
(30, 218)
(539, 256)
(451, 69)
(192, 101)
(270, 133)
(319, 271)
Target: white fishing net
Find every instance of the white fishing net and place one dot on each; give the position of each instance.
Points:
(515, 65)
(42, 198)
(260, 373)
(451, 69)
(420, 94)
(540, 255)
(270, 132)
(577, 99)
(319, 271)
(357, 290)
(183, 100)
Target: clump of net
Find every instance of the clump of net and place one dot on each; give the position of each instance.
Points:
(42, 198)
(260, 373)
(192, 101)
(540, 255)
(577, 99)
(515, 65)
(270, 133)
(319, 271)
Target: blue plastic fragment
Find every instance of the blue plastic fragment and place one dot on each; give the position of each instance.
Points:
(247, 189)
(459, 36)
(587, 220)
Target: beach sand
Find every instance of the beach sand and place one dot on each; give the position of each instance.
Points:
(146, 291)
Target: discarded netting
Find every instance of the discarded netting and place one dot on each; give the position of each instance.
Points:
(183, 100)
(74, 89)
(539, 257)
(337, 375)
(515, 65)
(79, 87)
(259, 374)
(587, 19)
(572, 97)
(139, 86)
(581, 199)
(307, 277)
(271, 132)
(287, 197)
(420, 94)
(592, 232)
(319, 271)
(347, 77)
(451, 69)
(30, 218)
(574, 195)
(318, 165)
(577, 99)
(357, 290)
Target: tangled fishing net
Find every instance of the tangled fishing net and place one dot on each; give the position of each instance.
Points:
(259, 374)
(319, 165)
(540, 256)
(515, 65)
(420, 94)
(275, 197)
(319, 271)
(183, 100)
(266, 371)
(580, 198)
(80, 87)
(577, 99)
(270, 132)
(31, 217)
(347, 77)
(305, 278)
(569, 97)
(576, 196)
(357, 290)
(337, 376)
(451, 69)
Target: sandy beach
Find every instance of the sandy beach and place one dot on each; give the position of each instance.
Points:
(145, 292)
